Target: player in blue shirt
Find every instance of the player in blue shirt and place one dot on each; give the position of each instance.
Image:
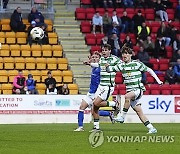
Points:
(88, 100)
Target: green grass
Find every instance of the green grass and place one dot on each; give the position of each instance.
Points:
(60, 139)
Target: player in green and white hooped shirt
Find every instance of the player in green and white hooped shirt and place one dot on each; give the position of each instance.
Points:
(131, 72)
(106, 86)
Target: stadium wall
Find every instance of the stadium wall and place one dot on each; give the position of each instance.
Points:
(16, 109)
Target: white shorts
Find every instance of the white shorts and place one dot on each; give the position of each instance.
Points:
(89, 99)
(138, 94)
(104, 92)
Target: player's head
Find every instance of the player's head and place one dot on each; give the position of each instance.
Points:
(95, 57)
(20, 72)
(106, 50)
(126, 53)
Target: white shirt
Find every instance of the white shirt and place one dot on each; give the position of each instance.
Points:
(115, 19)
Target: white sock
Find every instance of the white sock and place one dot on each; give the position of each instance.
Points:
(96, 125)
(149, 126)
(112, 103)
(124, 114)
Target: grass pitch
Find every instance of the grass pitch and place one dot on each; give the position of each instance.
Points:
(60, 139)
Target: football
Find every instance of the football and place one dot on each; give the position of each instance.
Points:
(37, 33)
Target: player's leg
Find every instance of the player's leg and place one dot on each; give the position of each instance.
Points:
(82, 107)
(86, 102)
(144, 119)
(128, 97)
(95, 112)
(102, 93)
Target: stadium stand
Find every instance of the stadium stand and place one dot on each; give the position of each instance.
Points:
(85, 13)
(36, 59)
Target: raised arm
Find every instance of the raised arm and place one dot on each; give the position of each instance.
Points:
(94, 64)
(154, 75)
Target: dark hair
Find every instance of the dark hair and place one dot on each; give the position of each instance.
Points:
(19, 70)
(108, 46)
(49, 72)
(126, 49)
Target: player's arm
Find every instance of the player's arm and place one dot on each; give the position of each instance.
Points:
(154, 75)
(144, 68)
(94, 64)
(115, 68)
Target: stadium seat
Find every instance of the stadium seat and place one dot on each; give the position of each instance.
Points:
(21, 37)
(175, 88)
(15, 50)
(19, 63)
(73, 89)
(2, 37)
(150, 16)
(165, 89)
(10, 37)
(36, 50)
(57, 50)
(85, 27)
(3, 76)
(62, 63)
(26, 53)
(5, 25)
(99, 38)
(155, 63)
(169, 50)
(53, 38)
(1, 63)
(155, 89)
(8, 63)
(90, 13)
(46, 53)
(67, 76)
(30, 63)
(90, 39)
(4, 52)
(57, 75)
(85, 2)
(58, 78)
(7, 89)
(95, 48)
(41, 63)
(25, 73)
(80, 14)
(12, 74)
(161, 76)
(163, 64)
(40, 86)
(51, 63)
(130, 10)
(49, 24)
(150, 79)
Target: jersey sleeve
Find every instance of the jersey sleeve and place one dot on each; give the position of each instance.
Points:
(142, 67)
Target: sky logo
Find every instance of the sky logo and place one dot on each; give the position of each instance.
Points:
(159, 104)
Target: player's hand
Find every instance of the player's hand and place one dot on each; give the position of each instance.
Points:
(86, 62)
(160, 83)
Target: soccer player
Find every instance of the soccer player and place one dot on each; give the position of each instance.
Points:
(106, 86)
(88, 100)
(131, 72)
